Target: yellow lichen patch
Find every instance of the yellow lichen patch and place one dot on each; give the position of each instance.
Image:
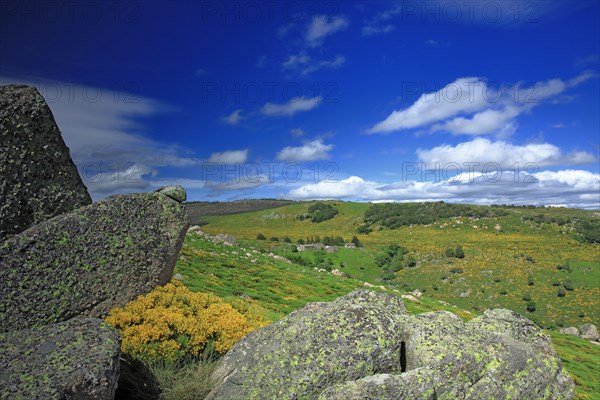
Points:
(172, 322)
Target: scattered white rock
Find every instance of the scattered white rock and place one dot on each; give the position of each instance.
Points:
(282, 259)
(179, 277)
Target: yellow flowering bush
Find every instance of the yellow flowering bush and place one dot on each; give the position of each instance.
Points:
(172, 322)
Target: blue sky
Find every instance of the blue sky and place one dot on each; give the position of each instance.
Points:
(472, 102)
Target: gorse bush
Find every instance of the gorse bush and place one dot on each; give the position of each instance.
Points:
(171, 323)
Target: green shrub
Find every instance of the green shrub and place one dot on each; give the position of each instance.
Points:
(530, 281)
(287, 239)
(569, 285)
(274, 239)
(561, 292)
(531, 306)
(450, 252)
(260, 236)
(364, 229)
(320, 212)
(527, 297)
(458, 252)
(457, 270)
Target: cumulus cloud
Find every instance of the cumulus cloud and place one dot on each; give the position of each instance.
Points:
(310, 151)
(483, 152)
(570, 188)
(470, 106)
(488, 121)
(234, 118)
(462, 95)
(322, 26)
(229, 157)
(295, 105)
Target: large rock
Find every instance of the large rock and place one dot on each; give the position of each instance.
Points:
(78, 359)
(571, 330)
(589, 332)
(90, 260)
(365, 346)
(38, 179)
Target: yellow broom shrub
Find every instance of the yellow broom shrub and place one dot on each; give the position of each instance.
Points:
(172, 322)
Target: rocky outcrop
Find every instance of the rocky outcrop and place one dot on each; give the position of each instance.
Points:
(585, 331)
(365, 346)
(90, 260)
(175, 192)
(571, 330)
(589, 332)
(77, 359)
(38, 178)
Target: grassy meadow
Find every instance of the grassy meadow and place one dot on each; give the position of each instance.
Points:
(508, 259)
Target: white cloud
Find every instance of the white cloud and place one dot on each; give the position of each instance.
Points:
(558, 125)
(379, 24)
(485, 152)
(432, 43)
(310, 151)
(297, 104)
(229, 157)
(337, 62)
(296, 60)
(572, 188)
(489, 121)
(234, 118)
(322, 26)
(463, 95)
(297, 132)
(104, 131)
(370, 30)
(469, 106)
(306, 64)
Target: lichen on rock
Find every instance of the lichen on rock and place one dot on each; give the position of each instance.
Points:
(365, 346)
(90, 260)
(77, 359)
(38, 178)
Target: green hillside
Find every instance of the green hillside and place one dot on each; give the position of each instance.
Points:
(507, 257)
(248, 270)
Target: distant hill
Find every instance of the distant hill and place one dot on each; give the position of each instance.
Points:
(199, 209)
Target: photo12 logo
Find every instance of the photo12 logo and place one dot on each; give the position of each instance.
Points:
(468, 172)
